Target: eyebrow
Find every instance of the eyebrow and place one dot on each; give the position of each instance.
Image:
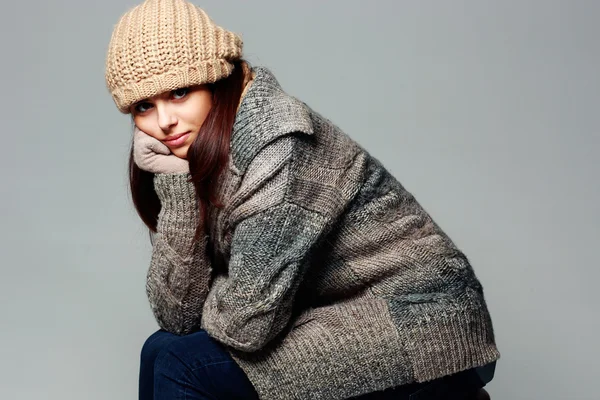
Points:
(147, 100)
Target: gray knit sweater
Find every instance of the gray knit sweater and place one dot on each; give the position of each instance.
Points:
(328, 279)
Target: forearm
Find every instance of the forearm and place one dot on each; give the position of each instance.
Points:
(179, 273)
(250, 306)
(178, 217)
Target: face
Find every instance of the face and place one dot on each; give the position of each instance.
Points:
(174, 117)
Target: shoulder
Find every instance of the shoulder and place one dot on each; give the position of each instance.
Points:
(266, 113)
(279, 138)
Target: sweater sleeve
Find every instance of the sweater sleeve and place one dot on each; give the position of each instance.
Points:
(178, 278)
(269, 256)
(271, 251)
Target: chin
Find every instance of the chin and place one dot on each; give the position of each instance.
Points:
(180, 152)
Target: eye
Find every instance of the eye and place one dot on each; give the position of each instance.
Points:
(180, 93)
(142, 107)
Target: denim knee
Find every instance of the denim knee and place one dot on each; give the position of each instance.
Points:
(155, 344)
(191, 351)
(196, 366)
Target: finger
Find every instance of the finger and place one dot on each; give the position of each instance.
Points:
(158, 147)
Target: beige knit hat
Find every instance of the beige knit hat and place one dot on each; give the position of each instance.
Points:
(162, 45)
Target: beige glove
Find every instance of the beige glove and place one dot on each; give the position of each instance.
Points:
(152, 155)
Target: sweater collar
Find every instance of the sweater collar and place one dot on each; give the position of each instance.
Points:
(265, 113)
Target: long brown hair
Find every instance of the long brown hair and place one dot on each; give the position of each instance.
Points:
(208, 155)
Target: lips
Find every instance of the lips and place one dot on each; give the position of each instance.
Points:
(177, 139)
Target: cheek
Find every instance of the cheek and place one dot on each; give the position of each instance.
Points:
(149, 128)
(201, 108)
(202, 116)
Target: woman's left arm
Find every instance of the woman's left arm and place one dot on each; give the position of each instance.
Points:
(178, 278)
(268, 259)
(270, 253)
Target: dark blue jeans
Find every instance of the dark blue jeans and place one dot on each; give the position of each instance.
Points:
(196, 366)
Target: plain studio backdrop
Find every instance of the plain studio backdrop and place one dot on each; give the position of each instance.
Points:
(487, 111)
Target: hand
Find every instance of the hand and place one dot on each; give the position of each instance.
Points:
(152, 155)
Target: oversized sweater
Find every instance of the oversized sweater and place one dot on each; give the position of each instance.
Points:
(322, 274)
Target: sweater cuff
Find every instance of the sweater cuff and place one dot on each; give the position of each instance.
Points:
(179, 206)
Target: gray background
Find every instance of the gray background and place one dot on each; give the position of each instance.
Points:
(486, 111)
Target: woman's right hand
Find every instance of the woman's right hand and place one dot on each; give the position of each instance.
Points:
(152, 155)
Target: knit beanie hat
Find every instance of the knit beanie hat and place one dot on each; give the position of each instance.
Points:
(163, 45)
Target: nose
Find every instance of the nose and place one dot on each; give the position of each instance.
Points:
(166, 117)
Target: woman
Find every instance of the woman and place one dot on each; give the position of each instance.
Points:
(287, 262)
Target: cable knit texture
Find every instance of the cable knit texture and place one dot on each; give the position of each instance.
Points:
(328, 280)
(179, 274)
(162, 45)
